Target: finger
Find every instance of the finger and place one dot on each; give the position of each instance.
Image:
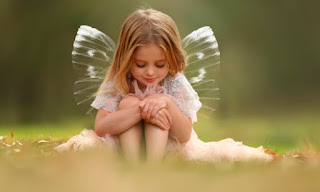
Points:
(141, 105)
(163, 105)
(163, 119)
(168, 116)
(155, 110)
(166, 112)
(144, 111)
(159, 124)
(164, 116)
(148, 115)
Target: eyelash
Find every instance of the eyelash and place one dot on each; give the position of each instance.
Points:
(159, 66)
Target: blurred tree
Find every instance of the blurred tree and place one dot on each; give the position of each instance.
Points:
(268, 51)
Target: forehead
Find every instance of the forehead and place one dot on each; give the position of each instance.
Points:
(149, 52)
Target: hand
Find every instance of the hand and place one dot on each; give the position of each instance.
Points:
(151, 105)
(162, 119)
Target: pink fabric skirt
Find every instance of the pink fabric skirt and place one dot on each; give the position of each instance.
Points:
(193, 150)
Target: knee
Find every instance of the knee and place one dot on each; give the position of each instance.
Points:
(128, 102)
(134, 133)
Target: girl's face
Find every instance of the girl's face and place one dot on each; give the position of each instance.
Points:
(149, 66)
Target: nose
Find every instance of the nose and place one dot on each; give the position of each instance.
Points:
(150, 71)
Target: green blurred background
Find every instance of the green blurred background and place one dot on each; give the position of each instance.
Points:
(269, 56)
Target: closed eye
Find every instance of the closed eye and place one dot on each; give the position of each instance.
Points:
(140, 66)
(160, 66)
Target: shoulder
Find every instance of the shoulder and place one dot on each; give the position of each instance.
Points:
(107, 87)
(177, 83)
(108, 90)
(176, 77)
(106, 98)
(172, 82)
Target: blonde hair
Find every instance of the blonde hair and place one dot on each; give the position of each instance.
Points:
(144, 26)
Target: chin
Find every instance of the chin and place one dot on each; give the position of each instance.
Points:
(152, 84)
(146, 83)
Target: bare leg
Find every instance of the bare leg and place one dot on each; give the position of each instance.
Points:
(156, 142)
(130, 140)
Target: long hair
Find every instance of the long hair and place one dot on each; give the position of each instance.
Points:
(143, 27)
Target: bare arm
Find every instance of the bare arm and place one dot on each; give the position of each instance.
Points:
(116, 122)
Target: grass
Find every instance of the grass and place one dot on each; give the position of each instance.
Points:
(283, 134)
(36, 131)
(38, 168)
(96, 171)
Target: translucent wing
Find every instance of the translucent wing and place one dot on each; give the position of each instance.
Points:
(91, 57)
(203, 61)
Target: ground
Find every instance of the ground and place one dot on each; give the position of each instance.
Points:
(29, 163)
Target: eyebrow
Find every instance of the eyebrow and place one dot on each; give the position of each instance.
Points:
(145, 61)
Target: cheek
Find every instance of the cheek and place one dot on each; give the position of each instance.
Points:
(164, 72)
(135, 72)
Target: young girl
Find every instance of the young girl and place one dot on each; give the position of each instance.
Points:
(145, 96)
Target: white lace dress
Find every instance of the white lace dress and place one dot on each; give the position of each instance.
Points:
(179, 90)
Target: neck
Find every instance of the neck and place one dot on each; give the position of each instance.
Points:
(141, 86)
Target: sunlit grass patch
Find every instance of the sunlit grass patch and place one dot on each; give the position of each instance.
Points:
(43, 130)
(283, 134)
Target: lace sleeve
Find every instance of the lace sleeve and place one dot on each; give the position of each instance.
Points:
(183, 95)
(108, 102)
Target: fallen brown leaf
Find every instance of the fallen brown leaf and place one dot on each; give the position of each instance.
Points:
(12, 134)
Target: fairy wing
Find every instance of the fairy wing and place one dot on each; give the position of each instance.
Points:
(203, 61)
(91, 57)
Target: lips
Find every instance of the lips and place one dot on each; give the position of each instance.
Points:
(150, 80)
